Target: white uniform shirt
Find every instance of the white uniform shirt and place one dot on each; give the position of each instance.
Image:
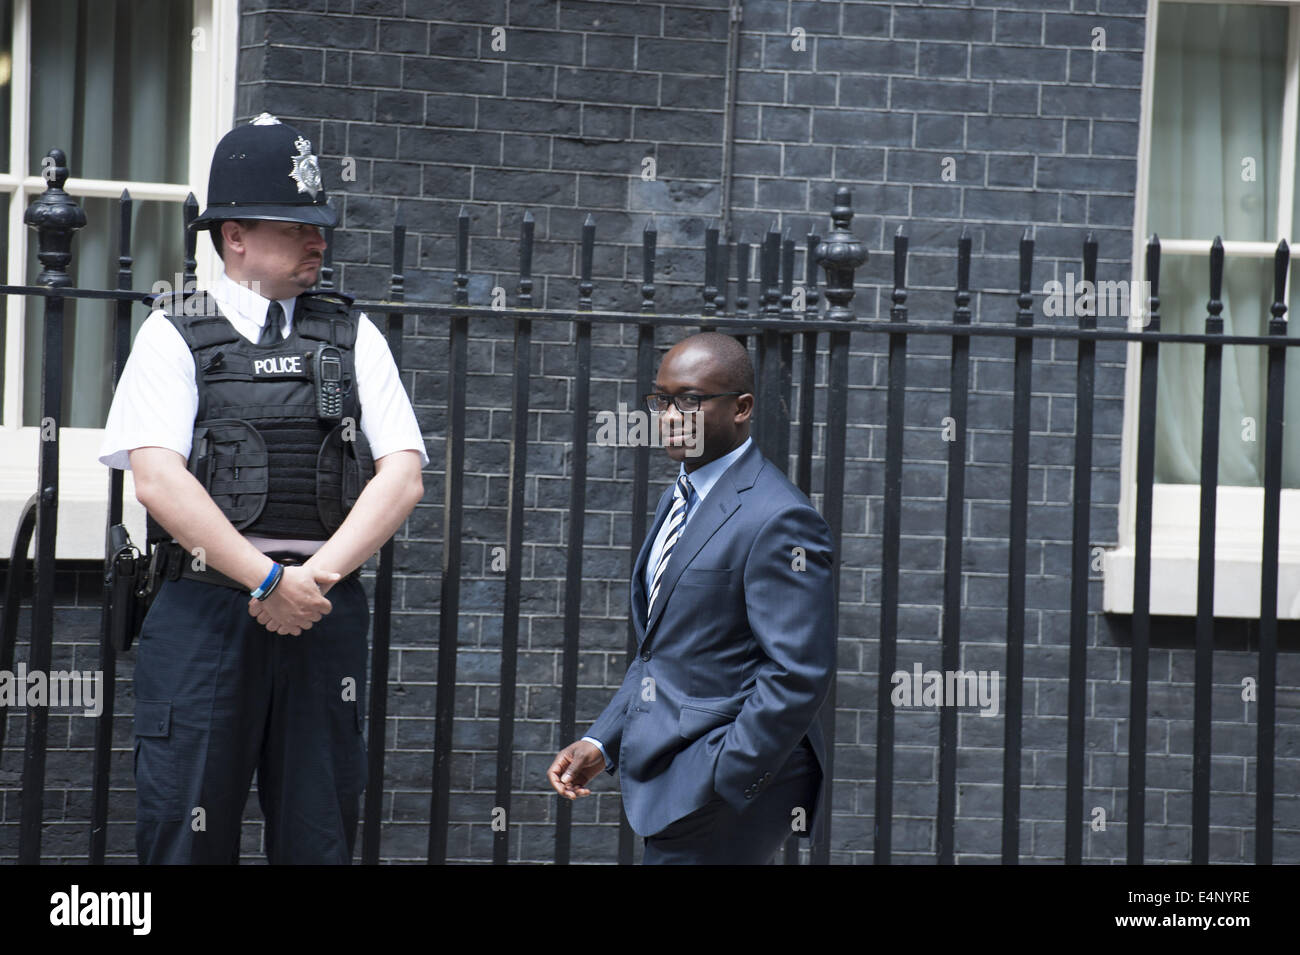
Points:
(157, 400)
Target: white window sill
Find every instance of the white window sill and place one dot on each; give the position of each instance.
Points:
(83, 492)
(1175, 530)
(1173, 585)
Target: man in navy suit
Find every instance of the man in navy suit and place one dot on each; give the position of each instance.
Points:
(715, 730)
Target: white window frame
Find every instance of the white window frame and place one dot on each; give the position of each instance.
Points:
(83, 481)
(1176, 507)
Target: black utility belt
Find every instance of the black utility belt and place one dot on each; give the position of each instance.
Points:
(174, 562)
(132, 581)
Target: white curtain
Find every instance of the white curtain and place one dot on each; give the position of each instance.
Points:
(111, 87)
(1217, 117)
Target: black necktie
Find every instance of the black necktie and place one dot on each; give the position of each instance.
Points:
(274, 320)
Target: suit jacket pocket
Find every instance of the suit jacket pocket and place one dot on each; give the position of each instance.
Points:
(698, 719)
(704, 577)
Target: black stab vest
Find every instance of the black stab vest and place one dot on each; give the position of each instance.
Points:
(273, 467)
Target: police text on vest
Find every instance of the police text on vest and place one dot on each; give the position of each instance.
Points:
(283, 365)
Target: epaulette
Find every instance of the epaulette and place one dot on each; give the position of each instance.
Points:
(198, 303)
(197, 317)
(326, 316)
(330, 296)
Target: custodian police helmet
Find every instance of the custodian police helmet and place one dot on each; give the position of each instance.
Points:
(266, 170)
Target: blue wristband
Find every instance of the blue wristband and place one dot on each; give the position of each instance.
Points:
(275, 583)
(265, 587)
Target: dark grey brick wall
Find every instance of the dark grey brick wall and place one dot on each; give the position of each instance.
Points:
(1036, 130)
(69, 764)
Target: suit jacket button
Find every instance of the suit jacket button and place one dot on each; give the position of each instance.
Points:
(645, 656)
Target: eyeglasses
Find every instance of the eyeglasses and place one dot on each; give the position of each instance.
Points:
(686, 404)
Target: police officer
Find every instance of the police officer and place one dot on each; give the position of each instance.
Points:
(275, 450)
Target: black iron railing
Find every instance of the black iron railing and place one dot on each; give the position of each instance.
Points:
(772, 328)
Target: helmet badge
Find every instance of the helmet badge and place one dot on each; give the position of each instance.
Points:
(306, 171)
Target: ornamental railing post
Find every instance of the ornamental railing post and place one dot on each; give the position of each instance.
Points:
(56, 218)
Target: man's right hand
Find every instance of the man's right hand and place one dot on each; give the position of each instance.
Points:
(575, 766)
(296, 603)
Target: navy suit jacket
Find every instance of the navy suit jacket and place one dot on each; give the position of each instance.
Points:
(734, 664)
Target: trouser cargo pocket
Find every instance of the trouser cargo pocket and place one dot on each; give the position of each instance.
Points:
(155, 761)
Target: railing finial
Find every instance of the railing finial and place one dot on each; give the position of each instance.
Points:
(840, 254)
(55, 216)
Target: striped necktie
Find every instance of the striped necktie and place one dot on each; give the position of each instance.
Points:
(676, 521)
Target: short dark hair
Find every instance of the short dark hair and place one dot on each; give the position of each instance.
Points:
(214, 231)
(731, 360)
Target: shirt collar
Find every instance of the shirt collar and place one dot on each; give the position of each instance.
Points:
(239, 298)
(703, 478)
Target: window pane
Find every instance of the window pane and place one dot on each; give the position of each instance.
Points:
(1247, 295)
(6, 76)
(1216, 117)
(111, 87)
(1291, 404)
(1295, 208)
(157, 237)
(5, 199)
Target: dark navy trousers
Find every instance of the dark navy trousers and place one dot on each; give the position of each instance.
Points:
(218, 698)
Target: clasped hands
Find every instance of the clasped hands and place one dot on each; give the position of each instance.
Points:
(297, 602)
